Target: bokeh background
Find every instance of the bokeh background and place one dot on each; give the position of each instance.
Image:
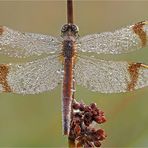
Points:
(35, 120)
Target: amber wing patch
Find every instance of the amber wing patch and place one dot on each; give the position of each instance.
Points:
(4, 70)
(138, 29)
(134, 73)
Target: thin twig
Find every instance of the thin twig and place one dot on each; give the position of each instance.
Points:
(70, 11)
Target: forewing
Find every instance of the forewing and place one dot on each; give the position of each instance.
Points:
(18, 44)
(110, 77)
(32, 77)
(124, 40)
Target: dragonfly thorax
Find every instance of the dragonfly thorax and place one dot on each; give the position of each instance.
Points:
(69, 48)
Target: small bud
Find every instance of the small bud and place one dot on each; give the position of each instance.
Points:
(97, 143)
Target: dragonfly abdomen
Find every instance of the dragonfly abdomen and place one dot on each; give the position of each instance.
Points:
(67, 93)
(69, 54)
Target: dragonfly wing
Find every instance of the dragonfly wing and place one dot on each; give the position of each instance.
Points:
(124, 40)
(110, 77)
(18, 44)
(32, 77)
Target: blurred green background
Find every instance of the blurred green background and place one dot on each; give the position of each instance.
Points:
(35, 120)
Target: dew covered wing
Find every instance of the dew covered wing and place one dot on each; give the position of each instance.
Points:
(32, 77)
(23, 44)
(110, 77)
(123, 40)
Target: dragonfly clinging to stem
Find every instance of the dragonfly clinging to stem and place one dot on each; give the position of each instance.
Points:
(66, 54)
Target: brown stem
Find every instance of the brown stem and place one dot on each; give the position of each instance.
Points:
(70, 11)
(70, 21)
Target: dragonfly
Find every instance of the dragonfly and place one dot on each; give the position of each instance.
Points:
(63, 60)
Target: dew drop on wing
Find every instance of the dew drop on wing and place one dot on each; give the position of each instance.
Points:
(58, 71)
(73, 90)
(62, 71)
(92, 56)
(52, 52)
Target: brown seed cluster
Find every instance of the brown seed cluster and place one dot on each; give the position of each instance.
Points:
(4, 70)
(82, 133)
(134, 73)
(138, 29)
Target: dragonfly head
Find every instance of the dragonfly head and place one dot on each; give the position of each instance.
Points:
(69, 29)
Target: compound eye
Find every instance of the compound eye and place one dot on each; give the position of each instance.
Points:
(75, 28)
(64, 28)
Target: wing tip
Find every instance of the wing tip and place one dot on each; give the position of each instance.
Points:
(144, 66)
(145, 22)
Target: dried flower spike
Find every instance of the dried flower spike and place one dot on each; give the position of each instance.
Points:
(82, 133)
